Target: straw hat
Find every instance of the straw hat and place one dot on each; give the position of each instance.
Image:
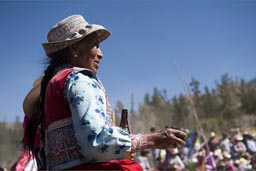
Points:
(71, 30)
(218, 153)
(238, 137)
(213, 134)
(242, 162)
(175, 151)
(31, 101)
(226, 154)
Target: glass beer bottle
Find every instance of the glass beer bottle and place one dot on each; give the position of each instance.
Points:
(125, 125)
(124, 120)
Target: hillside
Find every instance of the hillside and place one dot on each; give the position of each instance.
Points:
(10, 146)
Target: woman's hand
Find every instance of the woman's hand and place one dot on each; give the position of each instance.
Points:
(166, 138)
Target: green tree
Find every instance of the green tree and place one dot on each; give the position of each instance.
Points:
(118, 110)
(230, 104)
(209, 104)
(248, 98)
(10, 144)
(182, 115)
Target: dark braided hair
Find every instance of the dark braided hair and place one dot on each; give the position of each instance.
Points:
(56, 62)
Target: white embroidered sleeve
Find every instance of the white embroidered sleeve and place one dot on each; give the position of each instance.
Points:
(97, 141)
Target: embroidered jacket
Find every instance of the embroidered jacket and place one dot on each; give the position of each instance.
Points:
(79, 124)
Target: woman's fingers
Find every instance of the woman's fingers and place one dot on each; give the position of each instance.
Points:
(168, 138)
(177, 136)
(180, 141)
(180, 134)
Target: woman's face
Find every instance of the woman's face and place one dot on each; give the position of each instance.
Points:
(88, 54)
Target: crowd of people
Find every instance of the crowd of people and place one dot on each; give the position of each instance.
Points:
(235, 151)
(232, 151)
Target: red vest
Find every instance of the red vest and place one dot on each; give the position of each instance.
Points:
(61, 146)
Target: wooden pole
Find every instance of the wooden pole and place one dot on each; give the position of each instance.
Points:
(192, 106)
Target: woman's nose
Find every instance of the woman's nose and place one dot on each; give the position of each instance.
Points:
(99, 53)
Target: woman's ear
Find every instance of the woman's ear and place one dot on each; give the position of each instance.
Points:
(73, 50)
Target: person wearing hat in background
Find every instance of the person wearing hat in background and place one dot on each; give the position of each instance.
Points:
(155, 152)
(172, 160)
(250, 143)
(243, 164)
(239, 147)
(142, 159)
(76, 122)
(212, 142)
(225, 143)
(226, 163)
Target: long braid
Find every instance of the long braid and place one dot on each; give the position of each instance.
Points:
(56, 60)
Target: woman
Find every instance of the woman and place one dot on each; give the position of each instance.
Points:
(75, 111)
(173, 161)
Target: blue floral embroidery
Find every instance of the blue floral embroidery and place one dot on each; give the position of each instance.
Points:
(123, 140)
(97, 110)
(122, 147)
(72, 74)
(76, 77)
(94, 86)
(101, 100)
(76, 100)
(117, 151)
(100, 112)
(85, 122)
(110, 130)
(123, 132)
(104, 148)
(103, 114)
(91, 136)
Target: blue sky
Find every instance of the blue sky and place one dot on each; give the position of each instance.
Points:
(205, 39)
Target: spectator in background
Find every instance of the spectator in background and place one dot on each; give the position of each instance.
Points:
(239, 147)
(155, 152)
(226, 164)
(250, 143)
(225, 143)
(212, 142)
(173, 161)
(210, 161)
(2, 168)
(142, 159)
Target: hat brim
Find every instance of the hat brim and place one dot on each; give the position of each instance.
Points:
(52, 47)
(226, 155)
(31, 101)
(175, 151)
